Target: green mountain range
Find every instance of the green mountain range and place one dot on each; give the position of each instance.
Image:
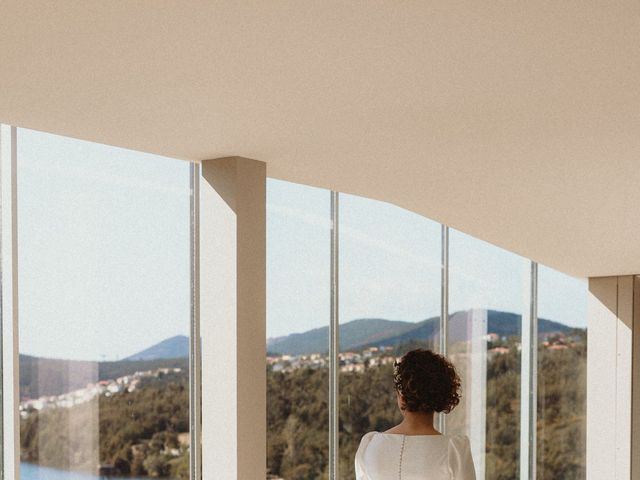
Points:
(47, 376)
(366, 332)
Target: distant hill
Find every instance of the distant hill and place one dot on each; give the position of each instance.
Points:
(356, 332)
(366, 332)
(174, 347)
(47, 376)
(52, 376)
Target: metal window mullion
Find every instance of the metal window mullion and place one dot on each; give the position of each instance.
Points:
(533, 379)
(10, 340)
(195, 353)
(334, 343)
(444, 304)
(2, 313)
(529, 380)
(444, 291)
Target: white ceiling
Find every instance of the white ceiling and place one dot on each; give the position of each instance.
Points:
(516, 122)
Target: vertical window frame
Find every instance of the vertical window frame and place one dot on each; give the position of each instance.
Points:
(10, 450)
(529, 380)
(334, 342)
(195, 345)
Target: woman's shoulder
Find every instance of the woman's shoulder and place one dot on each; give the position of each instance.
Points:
(364, 443)
(459, 441)
(367, 437)
(366, 440)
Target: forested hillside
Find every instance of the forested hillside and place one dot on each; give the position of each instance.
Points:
(135, 433)
(143, 432)
(297, 415)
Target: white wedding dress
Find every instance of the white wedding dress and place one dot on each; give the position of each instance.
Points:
(387, 456)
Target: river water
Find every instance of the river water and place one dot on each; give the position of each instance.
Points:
(29, 471)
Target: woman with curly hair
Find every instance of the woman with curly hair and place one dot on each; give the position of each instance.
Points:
(425, 383)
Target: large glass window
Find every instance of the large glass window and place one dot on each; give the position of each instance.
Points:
(487, 287)
(390, 284)
(104, 288)
(390, 268)
(298, 302)
(562, 376)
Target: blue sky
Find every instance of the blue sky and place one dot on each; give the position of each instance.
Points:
(390, 266)
(103, 248)
(104, 256)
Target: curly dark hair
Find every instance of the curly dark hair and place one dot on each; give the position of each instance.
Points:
(426, 382)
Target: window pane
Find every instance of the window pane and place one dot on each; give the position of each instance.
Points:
(104, 279)
(298, 296)
(562, 369)
(389, 303)
(486, 299)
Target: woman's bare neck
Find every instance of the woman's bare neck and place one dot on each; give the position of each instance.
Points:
(415, 423)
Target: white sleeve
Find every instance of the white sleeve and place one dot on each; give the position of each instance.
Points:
(460, 459)
(360, 467)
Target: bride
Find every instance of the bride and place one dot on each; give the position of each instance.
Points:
(425, 383)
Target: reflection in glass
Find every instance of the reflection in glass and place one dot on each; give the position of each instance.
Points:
(486, 292)
(562, 382)
(298, 279)
(389, 304)
(104, 310)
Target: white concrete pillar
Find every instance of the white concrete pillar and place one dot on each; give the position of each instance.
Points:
(609, 377)
(233, 318)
